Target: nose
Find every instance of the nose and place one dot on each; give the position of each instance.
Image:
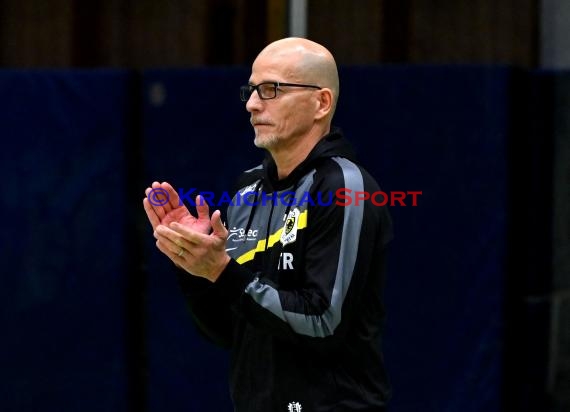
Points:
(254, 103)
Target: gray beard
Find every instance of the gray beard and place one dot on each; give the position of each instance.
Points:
(266, 143)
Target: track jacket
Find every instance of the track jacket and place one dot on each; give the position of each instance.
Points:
(300, 304)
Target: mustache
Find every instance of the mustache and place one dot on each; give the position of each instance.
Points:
(256, 120)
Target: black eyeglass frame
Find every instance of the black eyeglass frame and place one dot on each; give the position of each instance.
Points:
(247, 91)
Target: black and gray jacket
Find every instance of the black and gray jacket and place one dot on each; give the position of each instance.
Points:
(300, 304)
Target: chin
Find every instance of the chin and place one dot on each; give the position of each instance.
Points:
(265, 142)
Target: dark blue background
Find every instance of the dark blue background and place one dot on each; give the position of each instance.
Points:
(79, 148)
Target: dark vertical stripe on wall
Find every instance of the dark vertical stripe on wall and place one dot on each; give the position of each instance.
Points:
(528, 277)
(86, 31)
(395, 26)
(533, 26)
(136, 353)
(221, 15)
(237, 31)
(255, 29)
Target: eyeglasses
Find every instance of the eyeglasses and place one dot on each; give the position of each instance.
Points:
(268, 90)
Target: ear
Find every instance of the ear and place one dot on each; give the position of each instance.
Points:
(324, 103)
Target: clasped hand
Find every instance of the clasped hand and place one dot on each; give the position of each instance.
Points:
(196, 244)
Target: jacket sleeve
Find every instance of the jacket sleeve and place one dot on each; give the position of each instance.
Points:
(342, 263)
(210, 305)
(209, 308)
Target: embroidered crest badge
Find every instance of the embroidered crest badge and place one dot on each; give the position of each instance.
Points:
(289, 233)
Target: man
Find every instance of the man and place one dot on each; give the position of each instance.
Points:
(294, 289)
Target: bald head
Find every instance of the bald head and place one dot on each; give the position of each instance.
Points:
(305, 61)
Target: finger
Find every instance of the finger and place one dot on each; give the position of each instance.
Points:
(168, 191)
(174, 247)
(174, 199)
(175, 241)
(167, 247)
(172, 255)
(170, 236)
(151, 214)
(188, 234)
(218, 226)
(202, 208)
(158, 209)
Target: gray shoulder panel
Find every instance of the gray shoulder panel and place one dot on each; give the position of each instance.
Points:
(325, 324)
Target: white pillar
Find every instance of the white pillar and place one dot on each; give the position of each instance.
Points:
(555, 34)
(298, 18)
